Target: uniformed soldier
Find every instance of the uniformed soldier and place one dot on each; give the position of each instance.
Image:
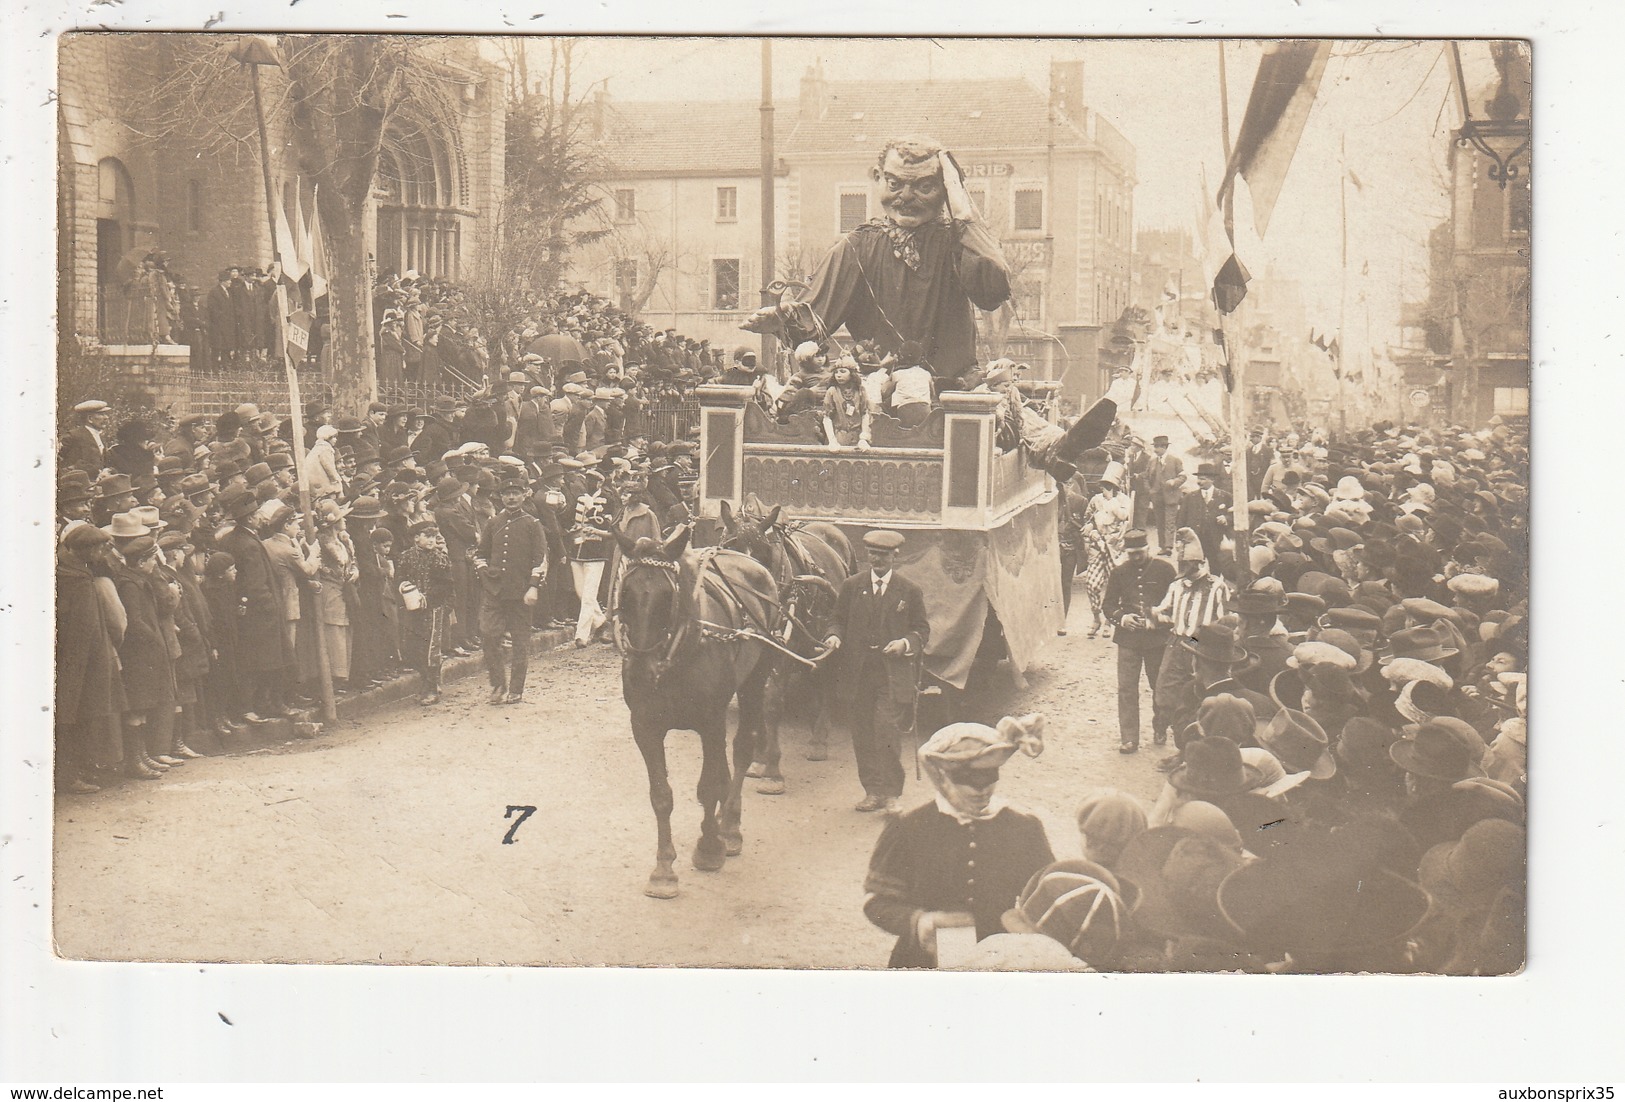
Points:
(512, 564)
(1136, 586)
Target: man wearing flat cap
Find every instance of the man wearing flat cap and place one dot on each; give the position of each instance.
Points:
(83, 446)
(879, 634)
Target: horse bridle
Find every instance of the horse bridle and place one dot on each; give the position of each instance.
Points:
(670, 637)
(771, 536)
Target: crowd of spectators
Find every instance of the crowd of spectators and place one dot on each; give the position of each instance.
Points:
(195, 595)
(1344, 689)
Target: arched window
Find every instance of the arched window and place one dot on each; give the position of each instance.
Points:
(417, 188)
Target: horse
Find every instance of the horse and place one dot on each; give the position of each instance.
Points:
(684, 656)
(809, 562)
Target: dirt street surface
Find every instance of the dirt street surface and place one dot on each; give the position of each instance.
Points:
(382, 841)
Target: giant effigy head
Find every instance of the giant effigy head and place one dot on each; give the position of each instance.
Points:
(910, 175)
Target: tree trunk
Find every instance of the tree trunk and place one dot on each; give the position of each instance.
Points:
(355, 370)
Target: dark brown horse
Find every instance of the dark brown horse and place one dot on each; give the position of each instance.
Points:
(682, 661)
(809, 562)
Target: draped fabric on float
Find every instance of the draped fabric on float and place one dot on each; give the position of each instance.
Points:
(1014, 569)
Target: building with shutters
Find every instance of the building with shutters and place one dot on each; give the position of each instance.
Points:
(1053, 179)
(683, 207)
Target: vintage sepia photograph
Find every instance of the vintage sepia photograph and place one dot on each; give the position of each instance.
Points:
(793, 503)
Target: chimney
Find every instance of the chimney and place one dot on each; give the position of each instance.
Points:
(600, 113)
(1066, 88)
(812, 93)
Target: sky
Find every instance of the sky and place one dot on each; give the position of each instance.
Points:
(1384, 112)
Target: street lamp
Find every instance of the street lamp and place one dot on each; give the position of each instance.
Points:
(1505, 135)
(257, 53)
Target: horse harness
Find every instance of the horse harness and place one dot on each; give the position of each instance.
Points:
(798, 571)
(753, 630)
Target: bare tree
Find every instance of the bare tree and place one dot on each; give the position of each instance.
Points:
(653, 260)
(338, 101)
(550, 207)
(555, 160)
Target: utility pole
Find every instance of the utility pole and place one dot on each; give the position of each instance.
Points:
(769, 354)
(1236, 356)
(1343, 296)
(254, 52)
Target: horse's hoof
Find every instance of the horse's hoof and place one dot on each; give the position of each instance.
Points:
(757, 769)
(773, 786)
(733, 845)
(708, 860)
(661, 889)
(817, 753)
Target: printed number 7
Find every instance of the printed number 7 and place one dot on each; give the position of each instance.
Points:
(525, 812)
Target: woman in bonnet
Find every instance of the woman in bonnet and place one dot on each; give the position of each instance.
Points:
(963, 858)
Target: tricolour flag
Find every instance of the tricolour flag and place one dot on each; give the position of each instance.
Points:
(318, 253)
(1283, 93)
(301, 234)
(287, 249)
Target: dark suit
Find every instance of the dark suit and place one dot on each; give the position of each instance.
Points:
(1164, 497)
(1210, 520)
(80, 450)
(437, 438)
(876, 689)
(1258, 464)
(461, 530)
(220, 322)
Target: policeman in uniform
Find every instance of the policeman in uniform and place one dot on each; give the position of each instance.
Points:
(1135, 587)
(879, 633)
(512, 564)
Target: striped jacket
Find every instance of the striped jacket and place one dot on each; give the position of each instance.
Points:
(1191, 603)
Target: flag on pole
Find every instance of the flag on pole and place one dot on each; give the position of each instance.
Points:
(318, 254)
(1283, 92)
(301, 233)
(286, 249)
(1230, 285)
(1222, 266)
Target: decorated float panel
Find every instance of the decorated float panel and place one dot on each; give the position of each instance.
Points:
(980, 523)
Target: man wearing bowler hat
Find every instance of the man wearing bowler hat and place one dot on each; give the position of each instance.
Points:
(1206, 510)
(1166, 475)
(879, 634)
(440, 435)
